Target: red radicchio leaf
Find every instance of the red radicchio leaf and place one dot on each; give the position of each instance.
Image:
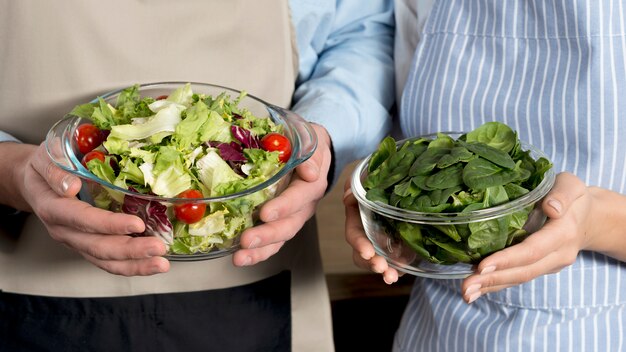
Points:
(229, 151)
(247, 139)
(153, 215)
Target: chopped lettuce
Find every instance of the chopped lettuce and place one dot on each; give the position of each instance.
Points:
(165, 120)
(170, 175)
(213, 171)
(185, 141)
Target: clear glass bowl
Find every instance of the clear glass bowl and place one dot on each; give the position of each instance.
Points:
(63, 151)
(389, 244)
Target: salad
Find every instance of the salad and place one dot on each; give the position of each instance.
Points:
(184, 145)
(480, 169)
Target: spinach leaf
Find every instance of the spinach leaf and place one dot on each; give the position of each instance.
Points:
(427, 161)
(494, 134)
(377, 195)
(386, 148)
(453, 250)
(492, 154)
(449, 177)
(480, 174)
(456, 155)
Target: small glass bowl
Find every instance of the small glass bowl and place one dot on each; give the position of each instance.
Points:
(399, 254)
(63, 151)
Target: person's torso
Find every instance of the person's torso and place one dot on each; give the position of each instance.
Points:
(556, 73)
(55, 55)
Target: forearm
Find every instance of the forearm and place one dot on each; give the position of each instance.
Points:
(13, 158)
(607, 234)
(349, 89)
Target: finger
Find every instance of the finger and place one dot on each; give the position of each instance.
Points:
(275, 231)
(346, 186)
(109, 247)
(374, 264)
(316, 167)
(390, 276)
(566, 190)
(495, 280)
(310, 170)
(354, 232)
(490, 289)
(475, 291)
(86, 218)
(298, 195)
(141, 267)
(245, 257)
(360, 262)
(535, 247)
(377, 265)
(62, 182)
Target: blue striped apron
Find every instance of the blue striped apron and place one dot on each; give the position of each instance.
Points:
(554, 71)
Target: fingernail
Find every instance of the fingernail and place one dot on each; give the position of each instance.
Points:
(272, 216)
(472, 289)
(247, 261)
(473, 297)
(347, 193)
(254, 243)
(556, 205)
(158, 268)
(66, 183)
(133, 229)
(488, 270)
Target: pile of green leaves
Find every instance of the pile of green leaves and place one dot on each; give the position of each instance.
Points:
(480, 169)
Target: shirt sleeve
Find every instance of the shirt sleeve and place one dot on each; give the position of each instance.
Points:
(5, 137)
(5, 211)
(349, 86)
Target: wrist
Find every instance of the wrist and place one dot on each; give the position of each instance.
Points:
(13, 161)
(606, 225)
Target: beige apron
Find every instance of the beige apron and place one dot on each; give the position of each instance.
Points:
(56, 54)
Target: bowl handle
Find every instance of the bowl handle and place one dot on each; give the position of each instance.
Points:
(303, 133)
(58, 144)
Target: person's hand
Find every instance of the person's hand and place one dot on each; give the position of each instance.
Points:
(101, 236)
(285, 215)
(553, 247)
(363, 253)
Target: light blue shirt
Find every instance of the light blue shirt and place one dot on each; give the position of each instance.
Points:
(345, 71)
(345, 80)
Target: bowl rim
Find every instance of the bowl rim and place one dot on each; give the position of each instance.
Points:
(275, 113)
(417, 217)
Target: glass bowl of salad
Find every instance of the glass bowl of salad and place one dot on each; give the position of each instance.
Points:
(194, 161)
(435, 205)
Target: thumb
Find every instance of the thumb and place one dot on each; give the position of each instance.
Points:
(63, 183)
(566, 190)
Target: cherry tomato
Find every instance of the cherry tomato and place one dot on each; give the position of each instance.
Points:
(88, 137)
(190, 213)
(279, 143)
(94, 154)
